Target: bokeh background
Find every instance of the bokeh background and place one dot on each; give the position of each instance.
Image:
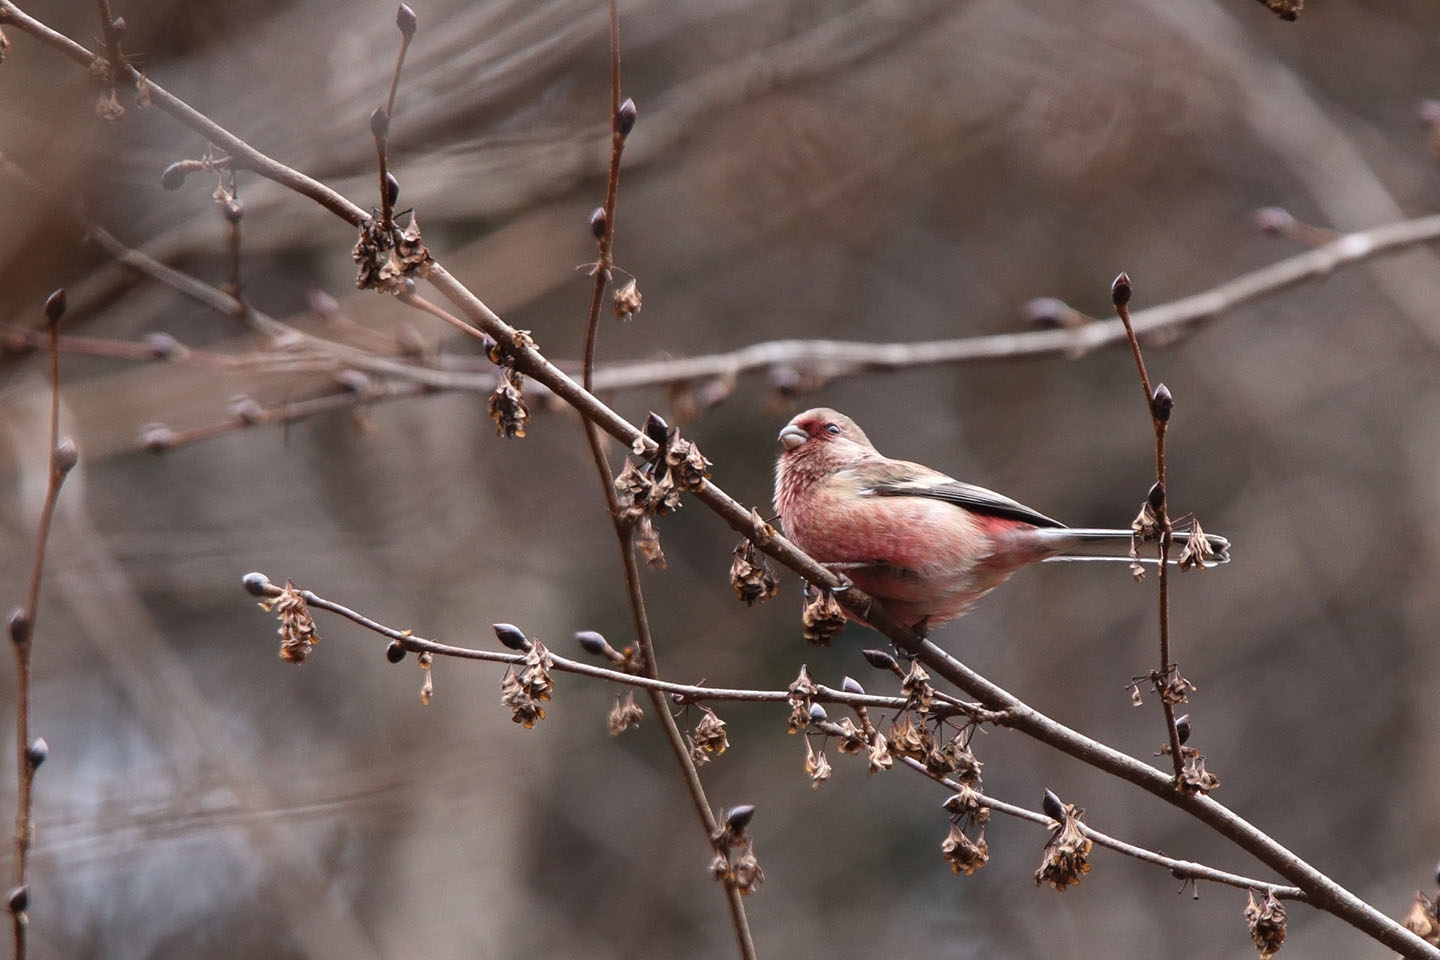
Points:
(880, 171)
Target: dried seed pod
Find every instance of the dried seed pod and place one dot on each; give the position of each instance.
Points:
(1266, 921)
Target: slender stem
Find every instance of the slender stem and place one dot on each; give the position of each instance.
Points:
(624, 531)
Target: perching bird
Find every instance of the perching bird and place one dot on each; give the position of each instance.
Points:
(925, 545)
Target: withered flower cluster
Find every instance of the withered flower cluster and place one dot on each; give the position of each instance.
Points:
(823, 618)
(708, 739)
(297, 627)
(1422, 920)
(735, 863)
(751, 575)
(1266, 920)
(627, 300)
(625, 714)
(388, 256)
(1066, 852)
(523, 690)
(652, 487)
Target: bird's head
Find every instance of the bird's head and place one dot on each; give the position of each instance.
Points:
(824, 436)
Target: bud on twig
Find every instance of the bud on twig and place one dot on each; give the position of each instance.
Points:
(256, 584)
(66, 455)
(739, 818)
(1161, 403)
(511, 636)
(1156, 497)
(392, 188)
(379, 123)
(233, 211)
(55, 305)
(1120, 290)
(817, 713)
(1052, 806)
(37, 752)
(591, 642)
(19, 625)
(19, 899)
(598, 222)
(174, 176)
(656, 429)
(1182, 727)
(625, 119)
(406, 20)
(880, 660)
(851, 685)
(395, 651)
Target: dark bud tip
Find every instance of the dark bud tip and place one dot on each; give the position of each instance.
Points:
(379, 123)
(1182, 727)
(591, 642)
(234, 211)
(1162, 403)
(598, 222)
(625, 119)
(1437, 874)
(246, 409)
(256, 584)
(55, 305)
(19, 622)
(19, 899)
(406, 20)
(1273, 220)
(879, 659)
(392, 187)
(66, 456)
(157, 438)
(394, 651)
(37, 753)
(1121, 290)
(174, 176)
(817, 713)
(851, 685)
(511, 636)
(118, 27)
(1052, 806)
(656, 428)
(1156, 497)
(160, 345)
(739, 818)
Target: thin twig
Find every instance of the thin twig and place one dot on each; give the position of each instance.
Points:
(1158, 501)
(30, 754)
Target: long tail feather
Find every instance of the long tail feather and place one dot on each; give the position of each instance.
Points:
(1081, 544)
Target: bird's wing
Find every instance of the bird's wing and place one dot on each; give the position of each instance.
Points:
(901, 479)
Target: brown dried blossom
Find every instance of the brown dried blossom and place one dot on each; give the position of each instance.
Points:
(1266, 920)
(852, 738)
(817, 766)
(1422, 920)
(297, 627)
(627, 300)
(647, 541)
(963, 854)
(878, 755)
(1197, 551)
(369, 253)
(751, 576)
(523, 690)
(1066, 852)
(686, 465)
(507, 404)
(625, 714)
(746, 873)
(959, 761)
(823, 619)
(802, 689)
(708, 739)
(1194, 778)
(909, 739)
(916, 688)
(968, 807)
(108, 107)
(427, 689)
(1173, 688)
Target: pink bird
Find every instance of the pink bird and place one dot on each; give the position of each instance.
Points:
(925, 545)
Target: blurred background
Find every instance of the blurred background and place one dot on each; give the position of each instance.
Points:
(880, 171)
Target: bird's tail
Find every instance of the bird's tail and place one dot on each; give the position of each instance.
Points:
(1080, 543)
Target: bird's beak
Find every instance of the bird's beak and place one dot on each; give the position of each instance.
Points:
(792, 436)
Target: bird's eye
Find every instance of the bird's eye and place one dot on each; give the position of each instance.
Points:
(832, 428)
